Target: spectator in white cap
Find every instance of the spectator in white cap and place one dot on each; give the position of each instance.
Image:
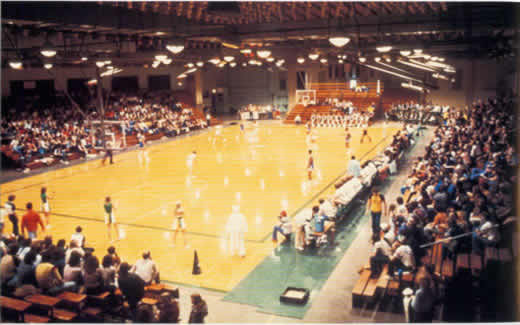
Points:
(236, 229)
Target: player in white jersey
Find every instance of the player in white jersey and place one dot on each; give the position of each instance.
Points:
(179, 224)
(191, 159)
(45, 207)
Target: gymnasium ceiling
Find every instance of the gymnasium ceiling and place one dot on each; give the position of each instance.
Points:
(132, 32)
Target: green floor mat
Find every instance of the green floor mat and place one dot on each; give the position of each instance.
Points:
(288, 268)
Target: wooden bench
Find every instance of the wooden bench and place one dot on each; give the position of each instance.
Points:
(383, 280)
(73, 299)
(45, 302)
(15, 305)
(63, 315)
(370, 290)
(92, 313)
(393, 288)
(149, 301)
(30, 318)
(358, 289)
(463, 262)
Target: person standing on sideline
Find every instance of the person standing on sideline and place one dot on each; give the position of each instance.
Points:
(365, 134)
(10, 208)
(110, 219)
(179, 224)
(354, 167)
(199, 309)
(310, 165)
(377, 207)
(236, 229)
(108, 153)
(30, 221)
(45, 205)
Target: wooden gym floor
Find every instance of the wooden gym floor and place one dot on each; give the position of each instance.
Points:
(263, 170)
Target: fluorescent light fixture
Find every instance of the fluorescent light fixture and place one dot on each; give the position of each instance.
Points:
(100, 64)
(279, 63)
(84, 58)
(111, 72)
(48, 49)
(390, 72)
(190, 65)
(109, 67)
(168, 61)
(418, 66)
(340, 61)
(417, 51)
(233, 64)
(314, 56)
(411, 86)
(377, 59)
(245, 51)
(230, 45)
(155, 64)
(190, 70)
(270, 59)
(362, 59)
(437, 64)
(441, 59)
(300, 60)
(199, 64)
(108, 62)
(244, 64)
(426, 56)
(181, 76)
(388, 60)
(384, 49)
(15, 64)
(215, 61)
(439, 76)
(263, 53)
(405, 52)
(449, 70)
(175, 46)
(323, 60)
(47, 66)
(229, 58)
(339, 41)
(221, 64)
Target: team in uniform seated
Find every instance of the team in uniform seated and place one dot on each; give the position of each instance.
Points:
(356, 119)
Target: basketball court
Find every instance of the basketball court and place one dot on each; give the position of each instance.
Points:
(263, 170)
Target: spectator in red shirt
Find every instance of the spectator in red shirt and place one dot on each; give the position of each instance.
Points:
(30, 221)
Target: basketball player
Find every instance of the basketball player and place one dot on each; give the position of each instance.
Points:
(365, 134)
(110, 219)
(108, 153)
(45, 205)
(191, 159)
(310, 165)
(140, 139)
(347, 138)
(179, 224)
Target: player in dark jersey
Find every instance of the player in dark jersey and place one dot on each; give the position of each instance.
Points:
(110, 219)
(310, 165)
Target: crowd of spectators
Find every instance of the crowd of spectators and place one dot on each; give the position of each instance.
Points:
(462, 185)
(47, 267)
(413, 112)
(55, 132)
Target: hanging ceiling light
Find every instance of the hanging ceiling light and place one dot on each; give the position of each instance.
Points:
(175, 46)
(229, 58)
(84, 58)
(417, 51)
(155, 64)
(339, 41)
(48, 49)
(405, 52)
(340, 61)
(377, 59)
(314, 56)
(300, 60)
(190, 70)
(181, 76)
(199, 64)
(384, 48)
(161, 57)
(323, 60)
(215, 61)
(439, 76)
(417, 65)
(388, 59)
(280, 62)
(233, 64)
(167, 61)
(411, 86)
(47, 66)
(244, 64)
(263, 53)
(15, 64)
(362, 59)
(245, 51)
(270, 59)
(100, 64)
(190, 65)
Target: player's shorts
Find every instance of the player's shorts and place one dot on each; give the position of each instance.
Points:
(365, 132)
(141, 144)
(110, 218)
(46, 207)
(179, 224)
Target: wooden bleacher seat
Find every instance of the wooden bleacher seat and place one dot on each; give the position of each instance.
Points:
(393, 288)
(382, 281)
(463, 262)
(370, 290)
(72, 299)
(63, 315)
(30, 318)
(357, 292)
(15, 305)
(149, 301)
(43, 301)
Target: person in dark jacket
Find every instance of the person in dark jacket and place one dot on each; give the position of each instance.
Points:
(199, 309)
(131, 285)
